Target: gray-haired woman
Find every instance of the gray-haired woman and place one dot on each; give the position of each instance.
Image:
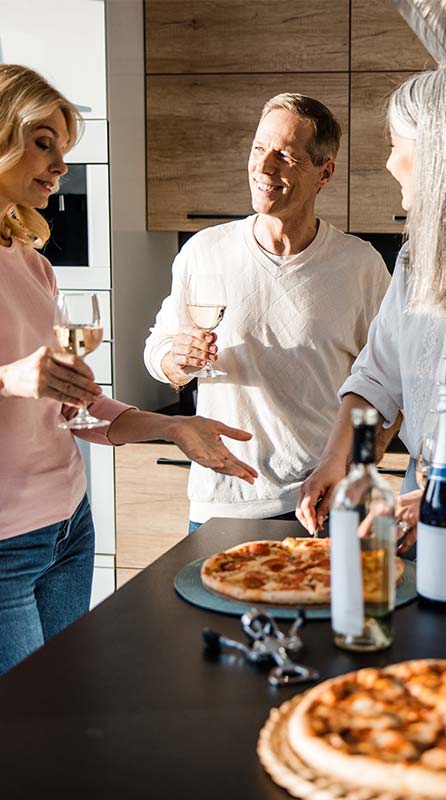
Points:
(404, 360)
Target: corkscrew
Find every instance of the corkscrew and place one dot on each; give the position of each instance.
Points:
(266, 642)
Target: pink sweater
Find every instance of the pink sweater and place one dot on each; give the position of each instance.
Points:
(42, 476)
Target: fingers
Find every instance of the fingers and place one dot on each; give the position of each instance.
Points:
(230, 465)
(193, 348)
(74, 363)
(233, 433)
(306, 509)
(407, 541)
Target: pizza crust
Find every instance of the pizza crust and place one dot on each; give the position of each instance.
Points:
(411, 780)
(317, 588)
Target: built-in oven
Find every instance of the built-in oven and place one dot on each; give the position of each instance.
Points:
(79, 215)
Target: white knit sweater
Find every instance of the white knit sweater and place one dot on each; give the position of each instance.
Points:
(288, 339)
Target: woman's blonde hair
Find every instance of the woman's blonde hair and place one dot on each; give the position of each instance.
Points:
(417, 110)
(25, 99)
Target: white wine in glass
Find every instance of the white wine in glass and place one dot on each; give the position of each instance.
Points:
(206, 303)
(79, 331)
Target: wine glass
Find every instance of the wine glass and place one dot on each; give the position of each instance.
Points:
(206, 303)
(424, 459)
(78, 329)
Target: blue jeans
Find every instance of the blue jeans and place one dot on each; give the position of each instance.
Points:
(289, 515)
(45, 583)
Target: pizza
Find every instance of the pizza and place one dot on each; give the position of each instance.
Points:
(381, 729)
(295, 570)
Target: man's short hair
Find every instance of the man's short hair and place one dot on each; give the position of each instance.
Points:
(324, 144)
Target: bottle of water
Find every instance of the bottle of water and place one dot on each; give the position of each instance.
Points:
(431, 532)
(363, 530)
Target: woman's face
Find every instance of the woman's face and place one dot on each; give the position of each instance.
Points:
(35, 177)
(400, 164)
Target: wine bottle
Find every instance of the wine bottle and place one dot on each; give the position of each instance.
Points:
(363, 531)
(431, 530)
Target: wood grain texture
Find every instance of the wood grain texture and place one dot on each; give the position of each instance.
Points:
(375, 195)
(152, 509)
(382, 40)
(199, 133)
(218, 36)
(123, 575)
(394, 461)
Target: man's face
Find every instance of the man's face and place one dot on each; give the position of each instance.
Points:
(282, 177)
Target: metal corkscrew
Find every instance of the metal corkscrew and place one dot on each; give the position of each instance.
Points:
(266, 641)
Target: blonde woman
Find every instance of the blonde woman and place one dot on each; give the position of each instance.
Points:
(46, 529)
(404, 360)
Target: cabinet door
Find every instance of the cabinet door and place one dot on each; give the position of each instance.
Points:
(200, 130)
(152, 508)
(186, 36)
(74, 61)
(381, 39)
(375, 197)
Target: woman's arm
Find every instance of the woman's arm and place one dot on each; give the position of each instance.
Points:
(197, 437)
(316, 490)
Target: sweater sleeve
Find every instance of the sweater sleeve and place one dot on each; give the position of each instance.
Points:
(376, 374)
(171, 316)
(104, 408)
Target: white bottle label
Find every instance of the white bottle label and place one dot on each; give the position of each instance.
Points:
(347, 602)
(431, 562)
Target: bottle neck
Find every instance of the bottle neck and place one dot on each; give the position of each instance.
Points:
(364, 444)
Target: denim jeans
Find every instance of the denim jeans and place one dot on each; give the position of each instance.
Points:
(289, 515)
(45, 583)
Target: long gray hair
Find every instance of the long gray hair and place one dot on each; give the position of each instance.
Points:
(417, 110)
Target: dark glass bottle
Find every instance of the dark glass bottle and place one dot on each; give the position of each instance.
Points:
(362, 521)
(431, 533)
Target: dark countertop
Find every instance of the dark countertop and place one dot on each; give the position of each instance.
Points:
(125, 703)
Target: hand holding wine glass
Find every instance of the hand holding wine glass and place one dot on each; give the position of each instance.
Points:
(206, 303)
(78, 329)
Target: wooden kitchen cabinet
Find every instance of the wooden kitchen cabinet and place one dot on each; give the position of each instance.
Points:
(375, 196)
(382, 40)
(152, 508)
(240, 36)
(200, 129)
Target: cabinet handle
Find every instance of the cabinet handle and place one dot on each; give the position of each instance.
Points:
(216, 216)
(399, 217)
(174, 462)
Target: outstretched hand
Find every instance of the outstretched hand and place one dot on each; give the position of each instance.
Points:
(200, 439)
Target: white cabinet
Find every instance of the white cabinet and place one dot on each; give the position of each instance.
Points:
(64, 40)
(104, 582)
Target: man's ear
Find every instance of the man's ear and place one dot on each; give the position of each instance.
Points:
(326, 173)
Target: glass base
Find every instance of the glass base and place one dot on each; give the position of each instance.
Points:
(208, 372)
(376, 635)
(83, 422)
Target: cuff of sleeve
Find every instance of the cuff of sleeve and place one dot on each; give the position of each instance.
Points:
(153, 357)
(104, 408)
(373, 393)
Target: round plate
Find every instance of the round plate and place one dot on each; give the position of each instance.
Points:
(188, 584)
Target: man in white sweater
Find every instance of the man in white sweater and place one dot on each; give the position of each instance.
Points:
(300, 298)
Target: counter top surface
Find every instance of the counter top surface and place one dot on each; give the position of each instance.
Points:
(126, 704)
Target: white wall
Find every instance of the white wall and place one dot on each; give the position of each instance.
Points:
(141, 261)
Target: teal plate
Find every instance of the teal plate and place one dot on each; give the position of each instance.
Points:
(188, 584)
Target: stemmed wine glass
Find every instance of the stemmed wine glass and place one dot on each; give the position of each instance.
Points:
(78, 329)
(424, 459)
(206, 303)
